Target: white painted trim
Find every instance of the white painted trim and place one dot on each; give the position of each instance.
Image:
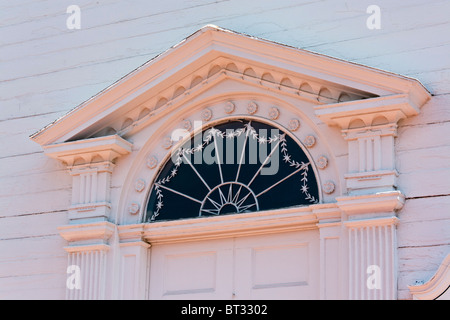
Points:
(140, 243)
(87, 248)
(254, 223)
(436, 286)
(370, 215)
(393, 107)
(210, 43)
(108, 147)
(96, 231)
(91, 263)
(383, 221)
(373, 203)
(164, 127)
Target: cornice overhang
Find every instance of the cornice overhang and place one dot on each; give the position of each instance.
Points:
(98, 232)
(375, 87)
(105, 148)
(392, 107)
(383, 202)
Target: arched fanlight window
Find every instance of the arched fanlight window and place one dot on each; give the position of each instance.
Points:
(232, 168)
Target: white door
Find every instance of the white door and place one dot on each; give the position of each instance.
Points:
(272, 266)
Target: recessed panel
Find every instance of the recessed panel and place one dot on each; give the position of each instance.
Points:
(280, 266)
(190, 273)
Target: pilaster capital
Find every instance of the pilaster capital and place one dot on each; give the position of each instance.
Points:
(370, 206)
(370, 126)
(371, 131)
(90, 163)
(97, 167)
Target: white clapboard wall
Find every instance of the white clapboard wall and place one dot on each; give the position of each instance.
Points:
(47, 69)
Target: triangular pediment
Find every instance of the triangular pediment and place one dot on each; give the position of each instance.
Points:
(213, 56)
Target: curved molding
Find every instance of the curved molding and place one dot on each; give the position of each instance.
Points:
(437, 287)
(216, 103)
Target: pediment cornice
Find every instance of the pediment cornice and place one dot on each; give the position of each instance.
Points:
(213, 55)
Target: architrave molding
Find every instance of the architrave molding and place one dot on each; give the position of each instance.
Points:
(254, 223)
(361, 210)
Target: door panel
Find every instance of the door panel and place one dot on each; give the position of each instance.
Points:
(195, 270)
(275, 266)
(190, 272)
(279, 266)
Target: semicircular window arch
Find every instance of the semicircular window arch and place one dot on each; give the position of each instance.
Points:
(233, 167)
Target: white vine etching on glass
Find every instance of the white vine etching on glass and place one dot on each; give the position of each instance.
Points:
(279, 140)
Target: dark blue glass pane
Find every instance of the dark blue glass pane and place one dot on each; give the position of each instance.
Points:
(232, 168)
